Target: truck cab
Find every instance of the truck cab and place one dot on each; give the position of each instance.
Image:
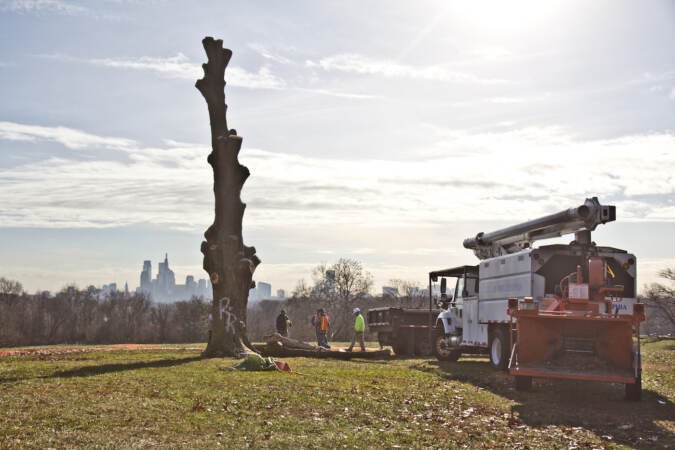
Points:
(458, 300)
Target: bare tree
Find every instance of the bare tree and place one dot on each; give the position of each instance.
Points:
(661, 296)
(339, 286)
(324, 285)
(351, 280)
(229, 263)
(659, 289)
(301, 290)
(406, 288)
(10, 286)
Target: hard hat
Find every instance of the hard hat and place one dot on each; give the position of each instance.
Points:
(356, 310)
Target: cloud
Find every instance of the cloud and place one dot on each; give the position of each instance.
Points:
(338, 94)
(181, 67)
(363, 65)
(262, 51)
(463, 176)
(672, 94)
(68, 137)
(40, 6)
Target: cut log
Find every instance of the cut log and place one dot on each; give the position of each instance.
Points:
(279, 346)
(276, 338)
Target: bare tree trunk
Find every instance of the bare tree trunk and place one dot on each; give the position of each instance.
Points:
(229, 263)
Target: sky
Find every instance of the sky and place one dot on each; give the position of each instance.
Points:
(385, 131)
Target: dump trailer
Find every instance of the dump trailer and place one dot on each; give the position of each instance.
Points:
(407, 330)
(555, 311)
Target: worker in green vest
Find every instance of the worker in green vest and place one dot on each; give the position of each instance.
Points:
(359, 331)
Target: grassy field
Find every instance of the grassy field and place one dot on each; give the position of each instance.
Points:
(170, 397)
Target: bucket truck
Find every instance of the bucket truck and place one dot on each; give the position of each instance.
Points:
(555, 311)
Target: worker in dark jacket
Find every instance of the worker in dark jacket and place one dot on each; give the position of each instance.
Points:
(283, 323)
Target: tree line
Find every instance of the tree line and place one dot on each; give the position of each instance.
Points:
(74, 316)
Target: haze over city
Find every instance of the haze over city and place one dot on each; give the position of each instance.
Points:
(384, 132)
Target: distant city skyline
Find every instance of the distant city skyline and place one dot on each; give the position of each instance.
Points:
(164, 289)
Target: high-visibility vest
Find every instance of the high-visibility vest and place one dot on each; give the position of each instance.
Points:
(359, 323)
(324, 323)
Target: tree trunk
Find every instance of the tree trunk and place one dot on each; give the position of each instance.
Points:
(229, 263)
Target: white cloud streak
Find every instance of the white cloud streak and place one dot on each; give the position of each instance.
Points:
(265, 53)
(338, 94)
(181, 67)
(364, 65)
(68, 137)
(42, 6)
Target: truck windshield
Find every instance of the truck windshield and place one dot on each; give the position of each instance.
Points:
(466, 287)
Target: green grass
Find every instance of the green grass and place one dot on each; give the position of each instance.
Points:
(171, 398)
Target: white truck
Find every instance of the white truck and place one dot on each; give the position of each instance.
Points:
(475, 316)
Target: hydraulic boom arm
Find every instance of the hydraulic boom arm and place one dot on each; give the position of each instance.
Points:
(580, 220)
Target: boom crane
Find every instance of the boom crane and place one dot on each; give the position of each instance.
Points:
(580, 220)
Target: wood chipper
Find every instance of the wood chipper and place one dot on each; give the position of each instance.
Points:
(577, 333)
(556, 311)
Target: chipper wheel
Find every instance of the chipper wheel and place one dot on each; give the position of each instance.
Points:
(499, 348)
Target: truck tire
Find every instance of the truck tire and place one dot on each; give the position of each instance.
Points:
(523, 383)
(442, 352)
(401, 345)
(498, 347)
(398, 348)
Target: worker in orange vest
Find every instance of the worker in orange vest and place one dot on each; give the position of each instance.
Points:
(324, 326)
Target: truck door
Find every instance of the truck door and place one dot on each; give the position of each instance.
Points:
(473, 333)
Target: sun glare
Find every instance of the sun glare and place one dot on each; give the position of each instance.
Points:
(493, 17)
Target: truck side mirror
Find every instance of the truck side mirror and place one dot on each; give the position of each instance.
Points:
(444, 285)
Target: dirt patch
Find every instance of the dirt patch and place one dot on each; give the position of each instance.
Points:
(105, 348)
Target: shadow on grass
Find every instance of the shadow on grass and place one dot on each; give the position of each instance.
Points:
(88, 371)
(99, 369)
(598, 407)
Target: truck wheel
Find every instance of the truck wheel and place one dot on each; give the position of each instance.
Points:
(523, 383)
(383, 339)
(443, 352)
(499, 348)
(401, 346)
(634, 390)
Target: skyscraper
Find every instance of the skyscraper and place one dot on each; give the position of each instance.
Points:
(166, 281)
(146, 277)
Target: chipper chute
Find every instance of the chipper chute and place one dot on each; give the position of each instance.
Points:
(577, 334)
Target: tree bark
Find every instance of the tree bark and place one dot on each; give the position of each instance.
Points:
(229, 263)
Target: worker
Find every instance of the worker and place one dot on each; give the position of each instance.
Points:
(359, 330)
(283, 323)
(316, 323)
(324, 326)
